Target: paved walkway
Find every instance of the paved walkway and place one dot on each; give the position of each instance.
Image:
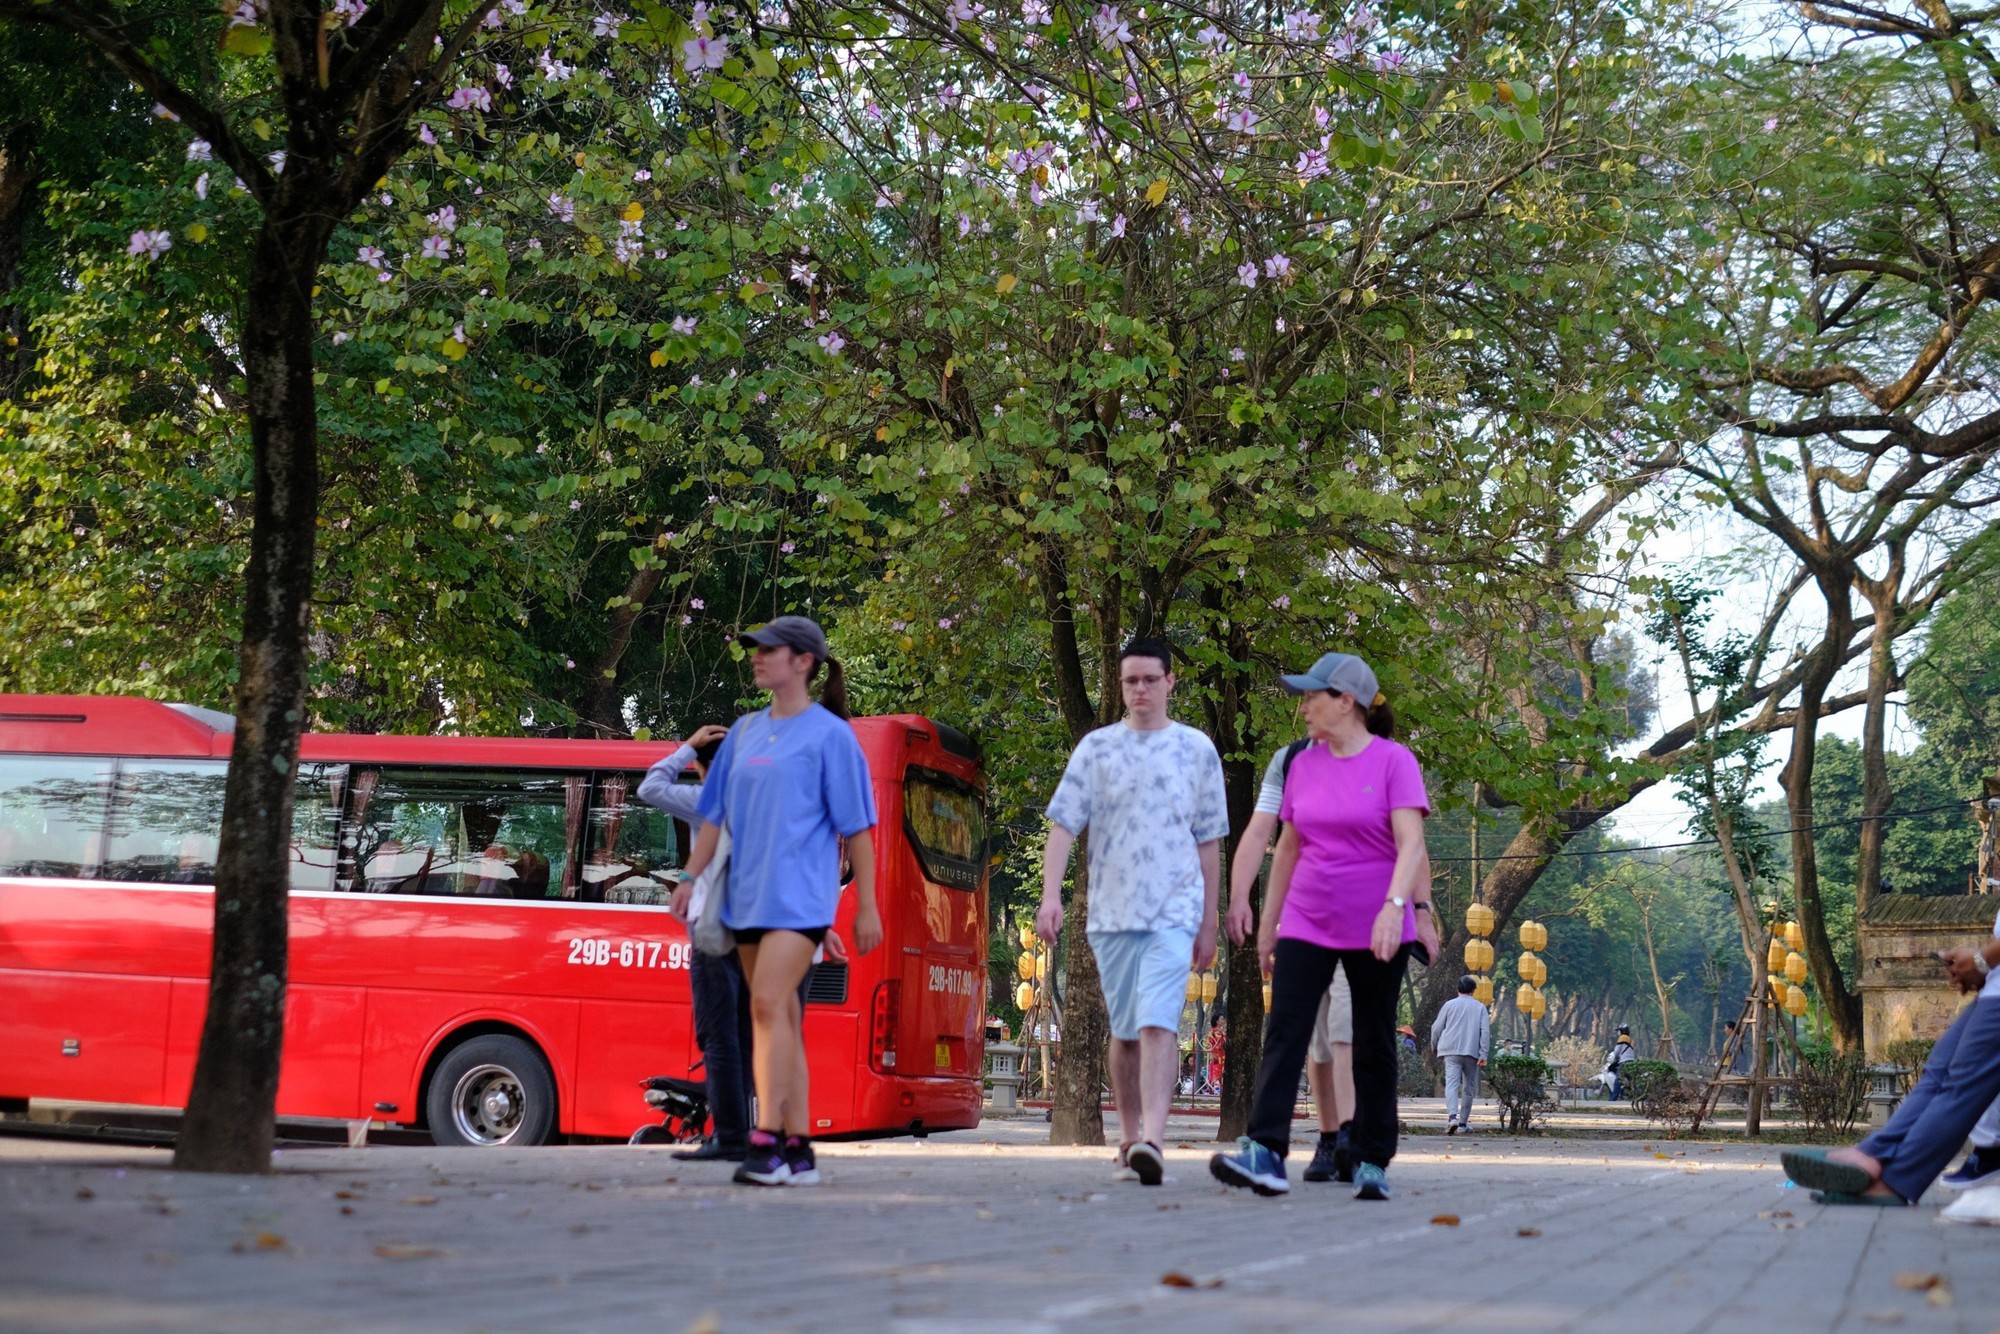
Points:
(977, 1231)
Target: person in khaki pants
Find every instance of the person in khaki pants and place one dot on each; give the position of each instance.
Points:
(1459, 1037)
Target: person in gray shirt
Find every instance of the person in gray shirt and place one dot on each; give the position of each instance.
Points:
(1460, 1036)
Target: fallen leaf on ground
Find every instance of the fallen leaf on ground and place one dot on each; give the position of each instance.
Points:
(343, 1195)
(708, 1322)
(1774, 1213)
(1939, 1296)
(1445, 1220)
(986, 1215)
(402, 1250)
(420, 1199)
(270, 1241)
(85, 1193)
(1527, 1232)
(1174, 1278)
(1915, 1280)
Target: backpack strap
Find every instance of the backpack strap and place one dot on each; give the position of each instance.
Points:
(1292, 753)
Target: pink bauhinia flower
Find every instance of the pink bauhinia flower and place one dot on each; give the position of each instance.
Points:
(1112, 29)
(150, 244)
(700, 53)
(1246, 273)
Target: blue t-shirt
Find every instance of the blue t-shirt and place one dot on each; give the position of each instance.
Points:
(789, 789)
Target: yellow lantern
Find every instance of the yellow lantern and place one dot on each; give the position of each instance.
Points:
(1795, 1001)
(1534, 936)
(1024, 996)
(1795, 969)
(1774, 958)
(1524, 998)
(1041, 966)
(1479, 920)
(1483, 992)
(1025, 966)
(1267, 998)
(1193, 988)
(1028, 938)
(1478, 955)
(1777, 990)
(1541, 974)
(1532, 969)
(1208, 988)
(1541, 1005)
(1795, 936)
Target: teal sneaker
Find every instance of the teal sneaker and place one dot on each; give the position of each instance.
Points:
(1252, 1165)
(1370, 1182)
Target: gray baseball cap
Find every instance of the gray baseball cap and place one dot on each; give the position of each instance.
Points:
(798, 633)
(1342, 673)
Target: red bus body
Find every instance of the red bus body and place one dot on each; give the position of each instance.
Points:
(103, 976)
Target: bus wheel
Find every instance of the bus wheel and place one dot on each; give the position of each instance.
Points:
(489, 1091)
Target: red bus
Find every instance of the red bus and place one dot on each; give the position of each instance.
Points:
(479, 939)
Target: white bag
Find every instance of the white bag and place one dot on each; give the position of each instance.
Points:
(711, 888)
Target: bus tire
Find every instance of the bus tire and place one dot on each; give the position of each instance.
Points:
(491, 1091)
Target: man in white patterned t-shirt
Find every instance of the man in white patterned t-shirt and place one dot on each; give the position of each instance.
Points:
(1150, 792)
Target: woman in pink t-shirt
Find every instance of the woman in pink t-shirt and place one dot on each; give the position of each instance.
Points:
(1343, 891)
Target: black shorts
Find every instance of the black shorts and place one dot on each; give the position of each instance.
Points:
(750, 935)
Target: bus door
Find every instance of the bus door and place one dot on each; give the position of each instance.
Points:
(942, 929)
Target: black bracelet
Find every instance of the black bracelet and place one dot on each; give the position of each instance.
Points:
(1425, 906)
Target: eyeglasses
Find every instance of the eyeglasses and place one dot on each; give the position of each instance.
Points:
(1141, 680)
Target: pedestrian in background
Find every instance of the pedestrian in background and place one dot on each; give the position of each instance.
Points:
(1149, 791)
(1460, 1037)
(1614, 1062)
(722, 1027)
(1350, 864)
(792, 784)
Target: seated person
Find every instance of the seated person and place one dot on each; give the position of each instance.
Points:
(531, 875)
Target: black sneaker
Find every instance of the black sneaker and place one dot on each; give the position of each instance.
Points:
(763, 1165)
(1322, 1167)
(1978, 1165)
(801, 1167)
(1147, 1163)
(1343, 1156)
(712, 1150)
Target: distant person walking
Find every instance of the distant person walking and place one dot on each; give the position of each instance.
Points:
(1460, 1037)
(1350, 864)
(792, 784)
(1149, 792)
(1614, 1063)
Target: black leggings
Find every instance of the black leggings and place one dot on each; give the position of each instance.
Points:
(1300, 975)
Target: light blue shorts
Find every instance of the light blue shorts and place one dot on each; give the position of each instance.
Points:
(1144, 975)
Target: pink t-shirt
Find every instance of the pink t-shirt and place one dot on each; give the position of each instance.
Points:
(1347, 850)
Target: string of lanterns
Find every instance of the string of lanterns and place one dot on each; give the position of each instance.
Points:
(1033, 968)
(1479, 956)
(1529, 998)
(1788, 968)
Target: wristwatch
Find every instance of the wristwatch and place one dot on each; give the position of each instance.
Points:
(1979, 962)
(1392, 900)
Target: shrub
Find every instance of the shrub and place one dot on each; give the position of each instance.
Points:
(1642, 1078)
(1520, 1084)
(1584, 1058)
(1828, 1090)
(1414, 1076)
(1911, 1054)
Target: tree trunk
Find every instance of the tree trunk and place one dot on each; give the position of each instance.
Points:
(231, 1108)
(1076, 1113)
(1796, 778)
(602, 714)
(1876, 795)
(19, 174)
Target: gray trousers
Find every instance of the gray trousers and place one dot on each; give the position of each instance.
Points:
(1959, 1082)
(1461, 1086)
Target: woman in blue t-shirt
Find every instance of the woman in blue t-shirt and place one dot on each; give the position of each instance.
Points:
(792, 785)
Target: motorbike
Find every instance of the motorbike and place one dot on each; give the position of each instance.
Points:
(683, 1108)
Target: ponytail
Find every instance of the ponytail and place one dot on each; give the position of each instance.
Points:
(833, 695)
(1380, 719)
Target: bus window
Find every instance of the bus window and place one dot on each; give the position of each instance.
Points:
(316, 823)
(946, 822)
(634, 848)
(481, 833)
(51, 815)
(166, 818)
